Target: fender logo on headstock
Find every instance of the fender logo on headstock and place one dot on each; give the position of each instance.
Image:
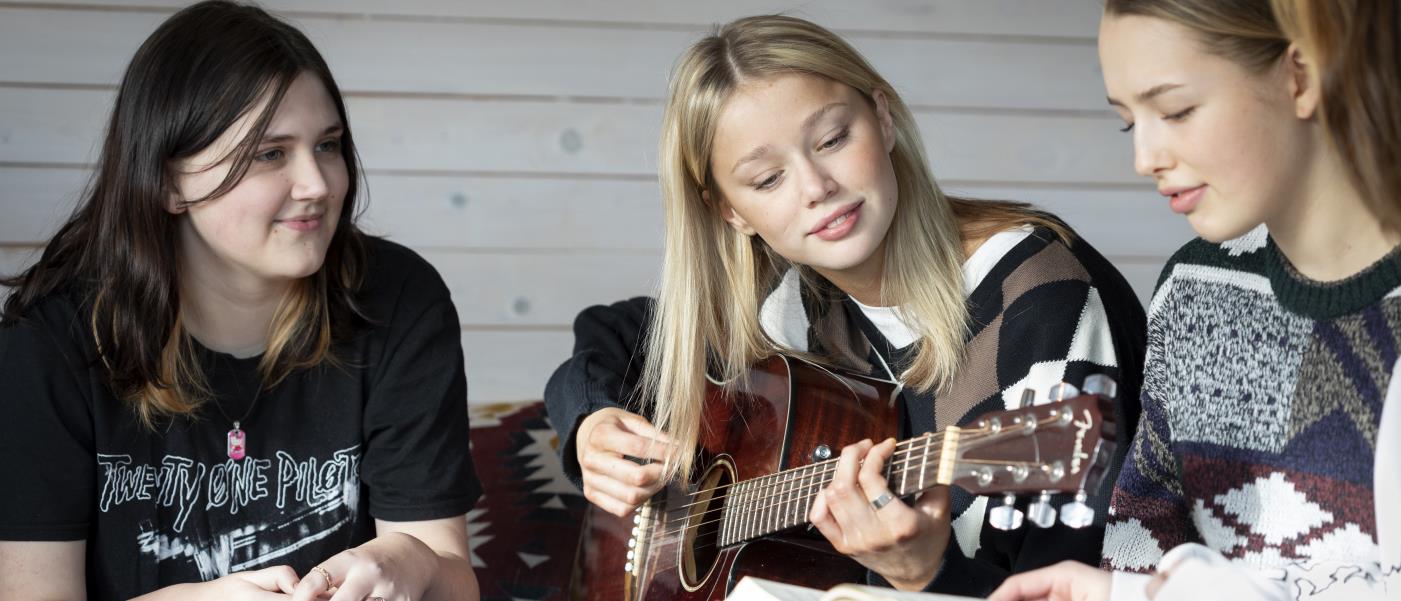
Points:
(1081, 427)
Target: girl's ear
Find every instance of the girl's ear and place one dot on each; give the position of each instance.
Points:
(175, 199)
(175, 202)
(728, 213)
(1304, 84)
(887, 125)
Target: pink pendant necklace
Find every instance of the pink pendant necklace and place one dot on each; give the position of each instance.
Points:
(237, 439)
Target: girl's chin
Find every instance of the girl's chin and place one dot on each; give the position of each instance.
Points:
(1216, 231)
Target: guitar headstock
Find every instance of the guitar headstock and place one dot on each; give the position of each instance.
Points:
(1061, 446)
(1064, 446)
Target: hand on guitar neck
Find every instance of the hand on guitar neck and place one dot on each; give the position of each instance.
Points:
(766, 470)
(605, 441)
(904, 544)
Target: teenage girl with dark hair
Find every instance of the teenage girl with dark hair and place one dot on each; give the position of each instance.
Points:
(212, 384)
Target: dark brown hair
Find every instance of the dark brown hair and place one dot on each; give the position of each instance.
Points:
(202, 70)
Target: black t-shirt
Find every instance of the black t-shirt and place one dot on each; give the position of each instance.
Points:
(382, 435)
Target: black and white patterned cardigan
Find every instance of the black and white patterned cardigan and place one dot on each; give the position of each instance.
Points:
(1041, 312)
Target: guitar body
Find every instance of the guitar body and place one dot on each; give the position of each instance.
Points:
(786, 412)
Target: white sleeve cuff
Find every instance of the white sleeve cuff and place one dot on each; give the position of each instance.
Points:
(1128, 586)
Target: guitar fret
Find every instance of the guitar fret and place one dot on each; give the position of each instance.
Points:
(749, 508)
(795, 499)
(781, 500)
(761, 503)
(904, 471)
(780, 496)
(776, 504)
(924, 463)
(775, 497)
(783, 505)
(727, 520)
(800, 511)
(766, 506)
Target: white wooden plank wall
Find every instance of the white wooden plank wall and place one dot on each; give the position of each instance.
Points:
(513, 143)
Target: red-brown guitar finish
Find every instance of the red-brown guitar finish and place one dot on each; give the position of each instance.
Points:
(786, 411)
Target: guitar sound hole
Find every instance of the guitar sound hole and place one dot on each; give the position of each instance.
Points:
(700, 544)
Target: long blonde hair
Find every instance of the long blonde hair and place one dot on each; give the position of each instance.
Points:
(714, 278)
(1356, 47)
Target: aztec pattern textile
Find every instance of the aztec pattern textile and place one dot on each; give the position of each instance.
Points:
(1261, 401)
(525, 528)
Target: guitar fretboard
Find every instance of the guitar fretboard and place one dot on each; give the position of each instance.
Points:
(764, 505)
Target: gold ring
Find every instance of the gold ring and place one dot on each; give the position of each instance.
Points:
(324, 574)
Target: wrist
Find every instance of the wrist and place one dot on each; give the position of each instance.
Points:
(412, 547)
(920, 581)
(915, 584)
(187, 590)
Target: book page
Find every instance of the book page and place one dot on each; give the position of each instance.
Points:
(759, 589)
(858, 592)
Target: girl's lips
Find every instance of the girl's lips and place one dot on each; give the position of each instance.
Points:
(302, 225)
(841, 224)
(1184, 201)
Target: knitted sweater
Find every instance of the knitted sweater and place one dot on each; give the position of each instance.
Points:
(1262, 399)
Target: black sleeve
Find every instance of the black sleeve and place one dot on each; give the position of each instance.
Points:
(417, 461)
(603, 372)
(47, 457)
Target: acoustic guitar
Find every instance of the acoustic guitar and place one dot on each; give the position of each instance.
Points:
(769, 445)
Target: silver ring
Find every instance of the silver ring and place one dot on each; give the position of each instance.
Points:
(884, 499)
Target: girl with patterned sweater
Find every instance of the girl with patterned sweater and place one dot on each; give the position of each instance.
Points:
(1266, 465)
(801, 217)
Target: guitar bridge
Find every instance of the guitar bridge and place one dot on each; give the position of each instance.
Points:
(638, 543)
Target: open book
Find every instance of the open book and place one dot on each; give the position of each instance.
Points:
(758, 589)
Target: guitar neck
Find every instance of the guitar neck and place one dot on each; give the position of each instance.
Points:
(768, 504)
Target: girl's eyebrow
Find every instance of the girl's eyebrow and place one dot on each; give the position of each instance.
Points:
(332, 129)
(1148, 94)
(807, 124)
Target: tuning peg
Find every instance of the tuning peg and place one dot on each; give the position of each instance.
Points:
(1077, 514)
(1040, 511)
(1063, 391)
(1028, 398)
(1006, 516)
(1102, 385)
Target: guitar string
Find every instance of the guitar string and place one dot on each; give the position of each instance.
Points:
(766, 524)
(676, 535)
(667, 522)
(930, 441)
(967, 435)
(904, 459)
(829, 466)
(786, 497)
(769, 525)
